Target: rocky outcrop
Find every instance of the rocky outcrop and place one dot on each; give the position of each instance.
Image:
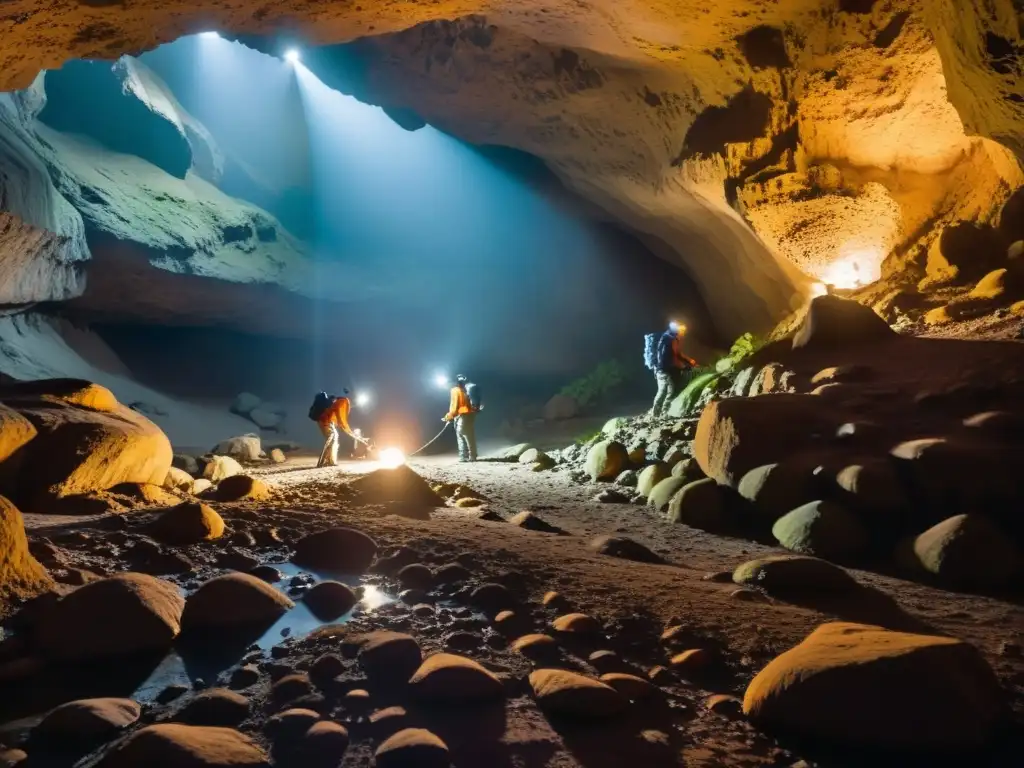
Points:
(127, 108)
(777, 138)
(42, 237)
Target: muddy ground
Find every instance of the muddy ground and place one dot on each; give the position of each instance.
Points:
(634, 601)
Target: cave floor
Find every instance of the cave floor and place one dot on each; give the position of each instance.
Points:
(634, 601)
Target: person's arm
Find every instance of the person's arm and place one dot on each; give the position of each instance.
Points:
(343, 408)
(453, 405)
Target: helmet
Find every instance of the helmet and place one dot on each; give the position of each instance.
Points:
(345, 391)
(461, 379)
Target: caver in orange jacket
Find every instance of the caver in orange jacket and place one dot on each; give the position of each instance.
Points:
(336, 413)
(459, 405)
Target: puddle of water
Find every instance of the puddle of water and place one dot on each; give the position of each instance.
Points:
(184, 667)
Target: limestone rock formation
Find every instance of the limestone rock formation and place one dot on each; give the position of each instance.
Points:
(232, 601)
(868, 687)
(86, 441)
(21, 575)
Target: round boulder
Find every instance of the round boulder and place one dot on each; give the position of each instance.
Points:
(445, 677)
(389, 655)
(868, 687)
(169, 745)
(242, 448)
(775, 489)
(968, 551)
(234, 600)
(337, 550)
(833, 322)
(322, 746)
(625, 548)
(794, 575)
(560, 407)
(242, 488)
(562, 692)
(125, 614)
(821, 528)
(873, 486)
(663, 492)
(632, 687)
(330, 600)
(216, 706)
(87, 720)
(493, 598)
(576, 624)
(412, 748)
(219, 468)
(187, 523)
(178, 480)
(651, 476)
(700, 504)
(606, 460)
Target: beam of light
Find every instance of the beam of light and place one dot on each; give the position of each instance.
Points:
(363, 399)
(391, 458)
(440, 380)
(373, 597)
(853, 269)
(209, 35)
(292, 56)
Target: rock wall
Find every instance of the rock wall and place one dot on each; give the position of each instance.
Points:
(752, 140)
(42, 236)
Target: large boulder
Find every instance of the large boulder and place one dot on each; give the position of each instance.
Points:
(663, 493)
(86, 441)
(566, 693)
(234, 600)
(21, 575)
(606, 460)
(701, 504)
(86, 720)
(178, 480)
(968, 551)
(625, 548)
(389, 655)
(242, 488)
(242, 448)
(187, 523)
(170, 745)
(445, 677)
(866, 687)
(218, 468)
(651, 476)
(336, 550)
(560, 407)
(124, 614)
(835, 322)
(739, 434)
(872, 485)
(775, 489)
(821, 528)
(267, 416)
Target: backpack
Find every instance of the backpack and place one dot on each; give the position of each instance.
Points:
(321, 403)
(473, 393)
(651, 351)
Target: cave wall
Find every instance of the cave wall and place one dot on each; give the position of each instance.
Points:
(753, 139)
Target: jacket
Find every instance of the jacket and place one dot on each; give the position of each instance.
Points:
(337, 413)
(459, 404)
(670, 353)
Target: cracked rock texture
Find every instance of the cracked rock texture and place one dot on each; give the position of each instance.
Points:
(762, 146)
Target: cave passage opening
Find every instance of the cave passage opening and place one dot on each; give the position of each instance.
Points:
(252, 229)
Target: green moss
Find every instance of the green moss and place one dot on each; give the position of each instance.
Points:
(597, 385)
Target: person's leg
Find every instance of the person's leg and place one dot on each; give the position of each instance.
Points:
(460, 438)
(469, 435)
(325, 452)
(334, 441)
(659, 399)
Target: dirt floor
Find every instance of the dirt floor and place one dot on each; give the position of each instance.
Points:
(634, 601)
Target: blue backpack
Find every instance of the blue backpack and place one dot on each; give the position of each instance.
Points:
(651, 351)
(473, 393)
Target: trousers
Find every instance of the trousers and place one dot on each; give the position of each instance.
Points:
(668, 388)
(465, 436)
(329, 455)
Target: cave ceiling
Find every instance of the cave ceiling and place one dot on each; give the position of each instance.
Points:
(763, 145)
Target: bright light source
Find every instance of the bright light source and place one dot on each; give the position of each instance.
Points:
(362, 399)
(374, 597)
(292, 56)
(853, 268)
(209, 35)
(357, 432)
(818, 289)
(441, 380)
(391, 458)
